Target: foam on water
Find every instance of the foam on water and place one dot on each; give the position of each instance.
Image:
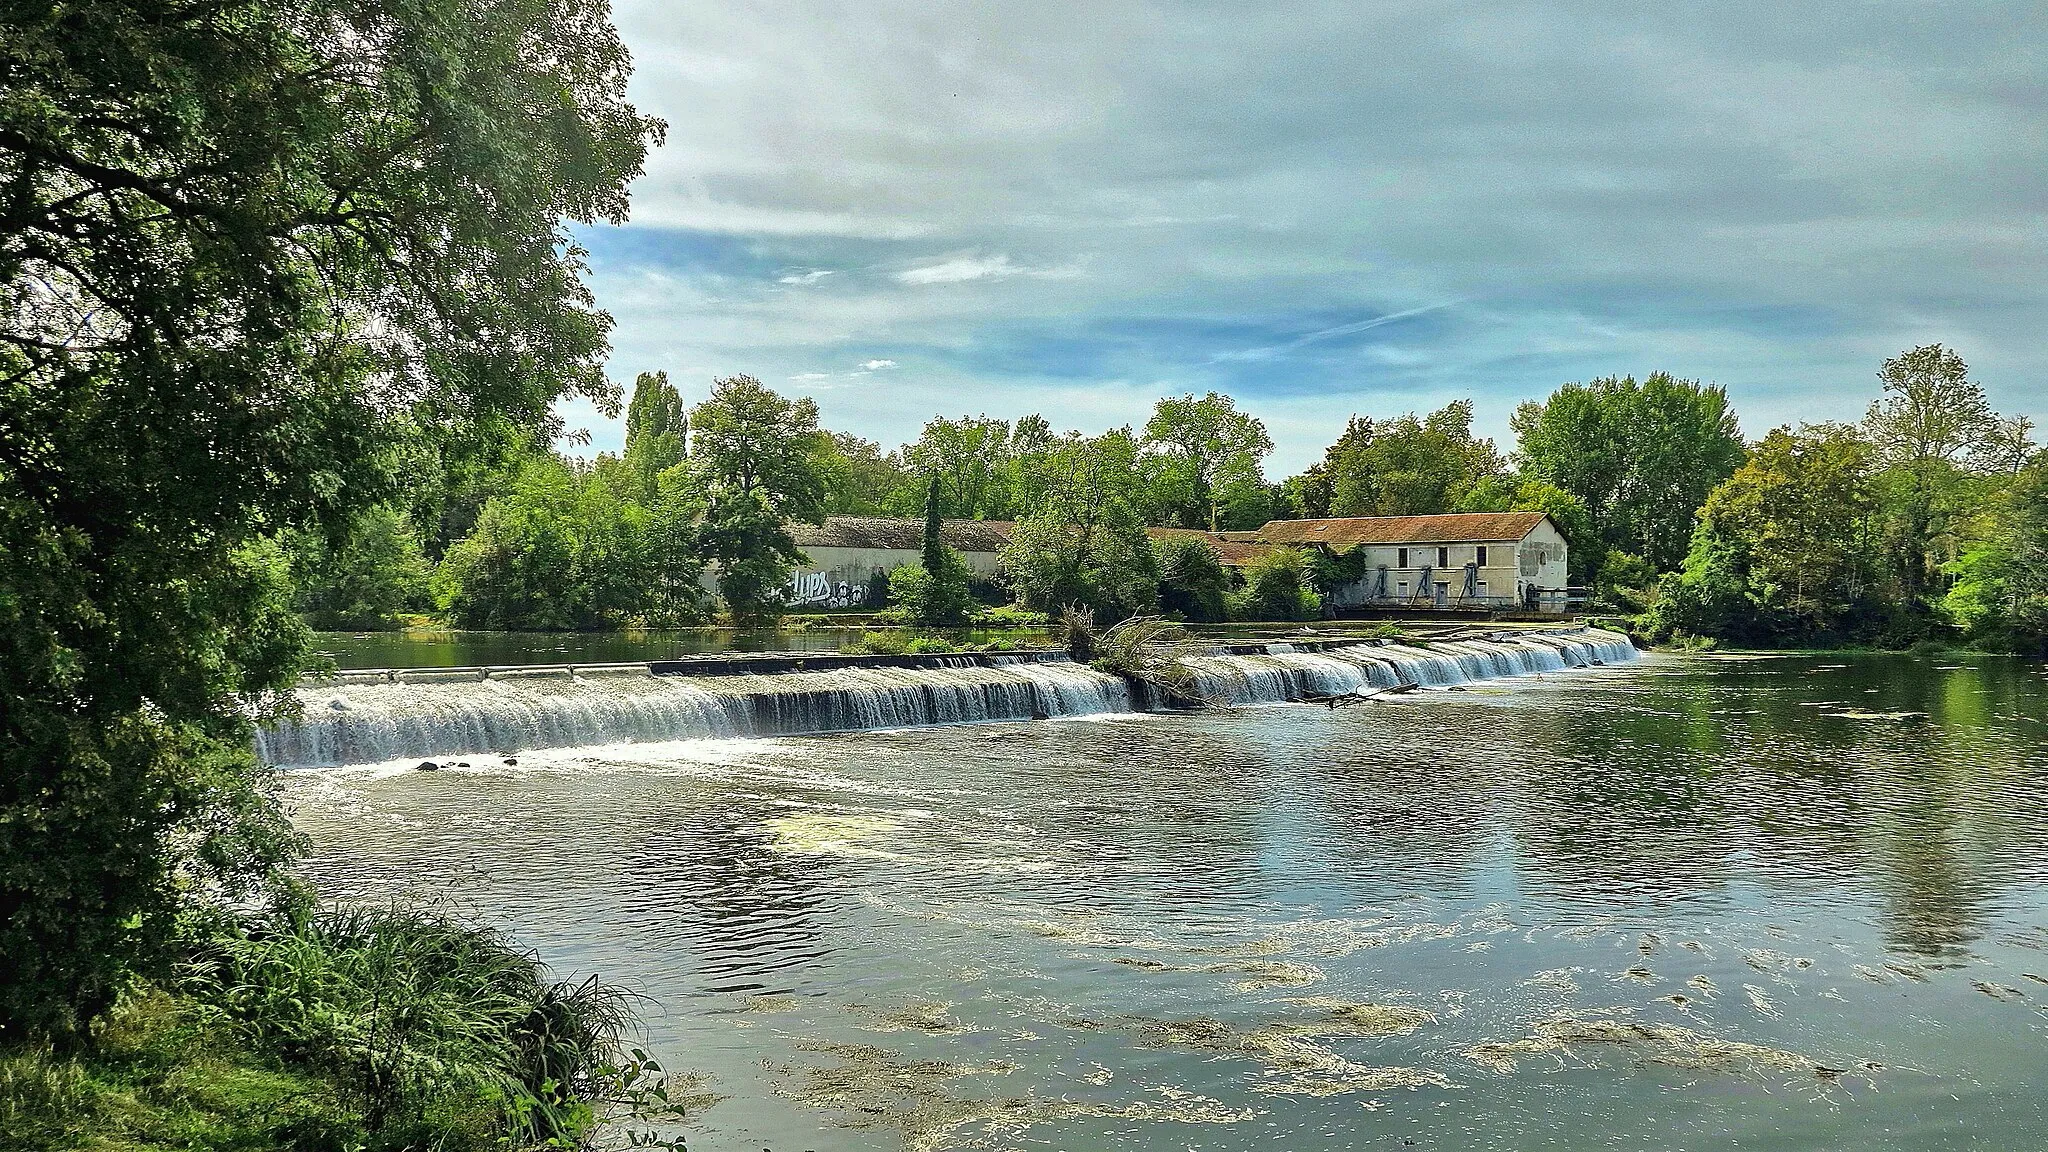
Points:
(357, 721)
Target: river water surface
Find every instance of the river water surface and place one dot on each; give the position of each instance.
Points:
(1690, 902)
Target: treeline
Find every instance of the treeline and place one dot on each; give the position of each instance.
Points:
(1921, 521)
(521, 536)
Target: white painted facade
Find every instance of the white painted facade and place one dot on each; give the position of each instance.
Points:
(1495, 574)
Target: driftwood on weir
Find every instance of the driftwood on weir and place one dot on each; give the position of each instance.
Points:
(1152, 650)
(1360, 697)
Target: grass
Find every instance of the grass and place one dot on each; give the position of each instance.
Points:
(369, 1030)
(164, 1072)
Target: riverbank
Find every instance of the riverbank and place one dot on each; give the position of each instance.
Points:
(365, 1028)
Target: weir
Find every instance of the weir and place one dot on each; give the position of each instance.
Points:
(363, 717)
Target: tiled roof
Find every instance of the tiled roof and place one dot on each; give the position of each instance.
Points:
(1233, 548)
(1449, 528)
(883, 532)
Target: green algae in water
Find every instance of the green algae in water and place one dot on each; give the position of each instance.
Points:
(1570, 1036)
(873, 1088)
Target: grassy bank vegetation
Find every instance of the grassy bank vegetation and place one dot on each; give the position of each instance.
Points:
(338, 1028)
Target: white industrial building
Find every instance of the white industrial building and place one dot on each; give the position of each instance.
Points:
(1492, 560)
(1499, 561)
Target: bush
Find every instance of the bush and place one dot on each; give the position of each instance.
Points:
(367, 1029)
(1277, 587)
(366, 580)
(940, 598)
(877, 644)
(1192, 582)
(897, 644)
(446, 1034)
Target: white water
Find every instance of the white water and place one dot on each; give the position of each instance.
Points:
(1285, 674)
(434, 715)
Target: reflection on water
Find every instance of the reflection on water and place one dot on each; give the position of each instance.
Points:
(1687, 903)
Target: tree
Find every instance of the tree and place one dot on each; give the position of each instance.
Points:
(1641, 457)
(557, 550)
(1508, 493)
(1210, 447)
(1084, 544)
(1192, 582)
(364, 580)
(757, 454)
(1408, 466)
(936, 590)
(1929, 421)
(1278, 585)
(245, 248)
(860, 480)
(968, 456)
(2000, 595)
(657, 432)
(1783, 547)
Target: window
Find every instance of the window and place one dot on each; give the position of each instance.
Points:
(1404, 560)
(1482, 555)
(1443, 557)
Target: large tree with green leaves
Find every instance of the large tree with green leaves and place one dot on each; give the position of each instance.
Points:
(757, 454)
(2000, 595)
(1208, 452)
(1929, 424)
(657, 432)
(861, 479)
(246, 247)
(1783, 549)
(1641, 456)
(1084, 543)
(968, 457)
(1407, 466)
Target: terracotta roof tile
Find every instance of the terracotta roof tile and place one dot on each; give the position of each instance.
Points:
(1235, 549)
(1449, 528)
(884, 532)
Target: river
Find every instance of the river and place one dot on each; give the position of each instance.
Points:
(1691, 902)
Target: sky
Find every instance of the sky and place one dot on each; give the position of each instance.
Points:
(1327, 208)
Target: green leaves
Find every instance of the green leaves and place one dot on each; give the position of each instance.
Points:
(249, 251)
(1640, 457)
(757, 454)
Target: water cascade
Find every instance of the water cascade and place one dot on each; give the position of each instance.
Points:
(361, 718)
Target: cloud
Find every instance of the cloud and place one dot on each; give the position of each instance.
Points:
(812, 376)
(1270, 351)
(877, 365)
(960, 269)
(1768, 196)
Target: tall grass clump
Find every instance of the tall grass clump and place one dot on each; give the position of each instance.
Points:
(342, 1029)
(445, 1034)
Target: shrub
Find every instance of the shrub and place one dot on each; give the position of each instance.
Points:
(446, 1033)
(368, 1029)
(1277, 587)
(1192, 582)
(939, 598)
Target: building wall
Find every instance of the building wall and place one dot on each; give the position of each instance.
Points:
(838, 577)
(1541, 560)
(1511, 568)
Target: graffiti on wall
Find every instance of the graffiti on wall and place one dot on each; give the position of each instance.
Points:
(817, 589)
